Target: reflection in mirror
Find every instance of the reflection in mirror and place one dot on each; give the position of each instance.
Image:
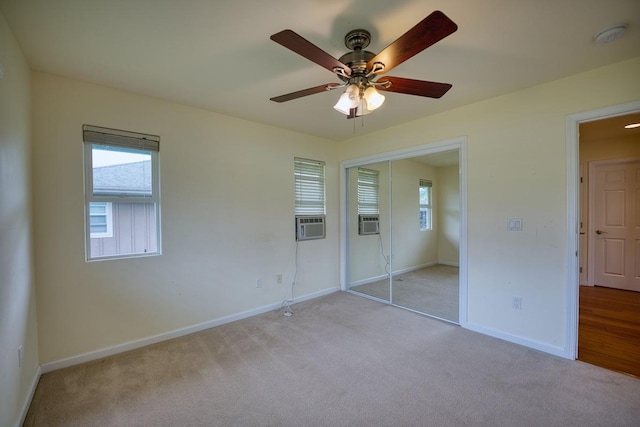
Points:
(368, 240)
(426, 234)
(404, 237)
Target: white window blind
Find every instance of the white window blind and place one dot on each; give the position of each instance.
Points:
(309, 187)
(120, 138)
(368, 188)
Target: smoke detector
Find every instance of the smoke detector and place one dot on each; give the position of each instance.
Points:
(610, 34)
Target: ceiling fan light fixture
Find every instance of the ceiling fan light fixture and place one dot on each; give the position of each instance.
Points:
(358, 69)
(343, 104)
(374, 98)
(362, 109)
(348, 100)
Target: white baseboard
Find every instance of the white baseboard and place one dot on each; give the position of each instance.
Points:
(29, 398)
(452, 264)
(131, 345)
(536, 345)
(395, 273)
(368, 280)
(414, 268)
(428, 264)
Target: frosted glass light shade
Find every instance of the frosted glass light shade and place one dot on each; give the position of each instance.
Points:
(348, 100)
(362, 108)
(373, 97)
(343, 104)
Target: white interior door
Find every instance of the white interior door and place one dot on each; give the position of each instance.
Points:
(615, 223)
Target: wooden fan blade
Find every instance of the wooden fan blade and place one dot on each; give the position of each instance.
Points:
(303, 47)
(414, 87)
(305, 92)
(427, 32)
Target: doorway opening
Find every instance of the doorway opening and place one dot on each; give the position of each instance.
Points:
(600, 159)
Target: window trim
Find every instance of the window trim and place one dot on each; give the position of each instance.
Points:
(93, 135)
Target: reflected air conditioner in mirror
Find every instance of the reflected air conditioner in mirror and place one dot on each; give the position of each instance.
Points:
(310, 227)
(368, 224)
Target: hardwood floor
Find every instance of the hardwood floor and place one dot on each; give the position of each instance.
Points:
(609, 329)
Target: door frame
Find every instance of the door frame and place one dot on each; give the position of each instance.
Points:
(573, 212)
(459, 144)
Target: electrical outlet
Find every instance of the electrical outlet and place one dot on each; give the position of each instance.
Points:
(20, 356)
(258, 283)
(517, 303)
(279, 278)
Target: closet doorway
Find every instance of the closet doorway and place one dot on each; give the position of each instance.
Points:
(404, 221)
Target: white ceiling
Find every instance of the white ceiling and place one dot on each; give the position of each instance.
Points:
(217, 55)
(440, 160)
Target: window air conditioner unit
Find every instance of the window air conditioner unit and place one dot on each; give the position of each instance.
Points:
(310, 227)
(368, 224)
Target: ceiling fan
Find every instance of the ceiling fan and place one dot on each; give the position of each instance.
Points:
(360, 70)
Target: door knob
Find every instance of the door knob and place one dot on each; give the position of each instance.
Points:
(600, 232)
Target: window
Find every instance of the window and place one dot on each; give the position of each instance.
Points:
(100, 219)
(121, 193)
(426, 216)
(309, 187)
(368, 187)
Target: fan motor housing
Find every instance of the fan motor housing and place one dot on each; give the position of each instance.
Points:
(357, 61)
(357, 39)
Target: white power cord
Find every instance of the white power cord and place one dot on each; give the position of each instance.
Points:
(287, 302)
(386, 259)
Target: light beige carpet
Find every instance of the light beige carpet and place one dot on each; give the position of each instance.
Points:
(340, 360)
(432, 290)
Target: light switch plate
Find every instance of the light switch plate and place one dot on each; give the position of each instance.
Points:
(514, 224)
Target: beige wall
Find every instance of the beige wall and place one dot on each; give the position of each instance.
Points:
(412, 248)
(517, 167)
(18, 326)
(609, 149)
(227, 219)
(448, 206)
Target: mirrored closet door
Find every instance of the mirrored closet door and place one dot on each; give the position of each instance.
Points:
(369, 261)
(404, 233)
